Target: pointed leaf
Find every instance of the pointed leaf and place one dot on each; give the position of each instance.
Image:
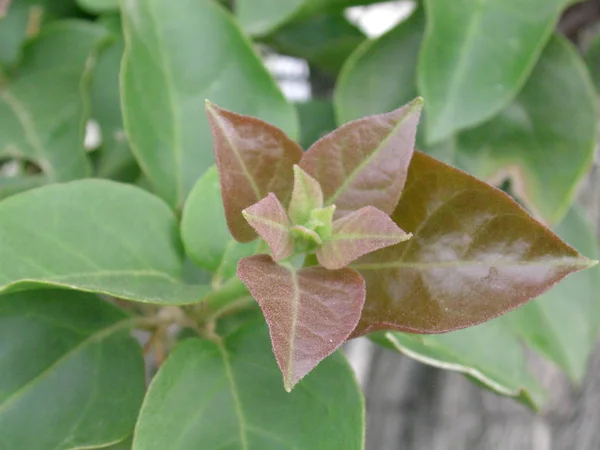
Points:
(269, 219)
(175, 58)
(365, 162)
(474, 254)
(72, 374)
(95, 236)
(204, 232)
(357, 234)
(476, 56)
(562, 324)
(306, 196)
(254, 159)
(531, 138)
(225, 395)
(48, 129)
(310, 311)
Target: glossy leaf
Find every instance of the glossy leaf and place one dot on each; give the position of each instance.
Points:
(254, 159)
(306, 196)
(224, 395)
(97, 236)
(204, 230)
(364, 163)
(369, 84)
(165, 83)
(114, 159)
(324, 40)
(269, 218)
(476, 56)
(73, 376)
(503, 370)
(357, 234)
(316, 120)
(310, 311)
(99, 6)
(551, 124)
(13, 31)
(562, 324)
(474, 254)
(48, 129)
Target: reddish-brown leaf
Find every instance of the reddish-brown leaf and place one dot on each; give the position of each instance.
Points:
(270, 221)
(306, 196)
(365, 161)
(310, 311)
(357, 234)
(253, 158)
(474, 254)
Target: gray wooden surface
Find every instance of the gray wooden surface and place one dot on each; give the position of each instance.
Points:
(411, 406)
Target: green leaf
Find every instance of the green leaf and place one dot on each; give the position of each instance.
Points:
(96, 236)
(324, 40)
(503, 370)
(306, 197)
(73, 377)
(224, 395)
(165, 83)
(474, 255)
(269, 219)
(310, 311)
(551, 124)
(364, 163)
(592, 58)
(114, 159)
(99, 6)
(13, 185)
(254, 159)
(477, 55)
(13, 31)
(316, 120)
(356, 234)
(204, 230)
(368, 84)
(562, 324)
(46, 126)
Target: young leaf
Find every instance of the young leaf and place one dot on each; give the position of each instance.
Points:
(310, 311)
(467, 73)
(224, 395)
(66, 348)
(175, 58)
(474, 254)
(254, 159)
(365, 162)
(306, 196)
(269, 219)
(357, 234)
(204, 231)
(96, 236)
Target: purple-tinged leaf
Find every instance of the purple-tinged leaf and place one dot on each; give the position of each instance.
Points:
(270, 221)
(253, 158)
(365, 162)
(357, 234)
(310, 311)
(306, 196)
(474, 255)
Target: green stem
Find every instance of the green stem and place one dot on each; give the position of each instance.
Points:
(220, 300)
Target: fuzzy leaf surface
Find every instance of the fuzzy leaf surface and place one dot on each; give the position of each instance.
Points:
(310, 311)
(365, 162)
(306, 196)
(254, 159)
(96, 236)
(476, 55)
(474, 254)
(64, 348)
(270, 220)
(357, 234)
(225, 395)
(176, 58)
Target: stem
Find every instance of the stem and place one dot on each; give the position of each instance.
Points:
(220, 300)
